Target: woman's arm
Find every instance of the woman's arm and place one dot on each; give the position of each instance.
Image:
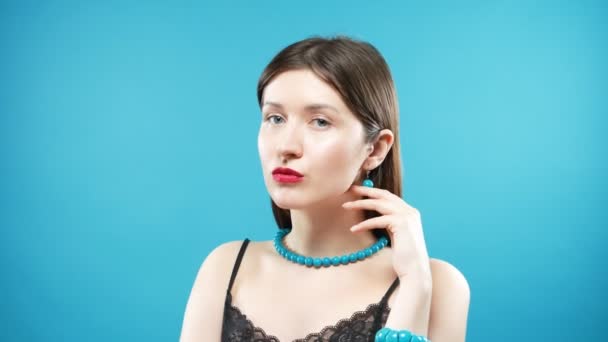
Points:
(437, 309)
(412, 305)
(205, 308)
(450, 303)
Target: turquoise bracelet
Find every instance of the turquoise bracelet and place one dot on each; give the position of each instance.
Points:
(390, 335)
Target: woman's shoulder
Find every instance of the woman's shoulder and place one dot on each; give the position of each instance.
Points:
(444, 270)
(208, 294)
(448, 279)
(224, 255)
(220, 261)
(224, 250)
(450, 300)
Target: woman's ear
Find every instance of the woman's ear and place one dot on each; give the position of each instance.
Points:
(379, 149)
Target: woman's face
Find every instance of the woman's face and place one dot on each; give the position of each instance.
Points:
(307, 127)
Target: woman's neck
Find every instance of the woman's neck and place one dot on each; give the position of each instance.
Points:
(324, 230)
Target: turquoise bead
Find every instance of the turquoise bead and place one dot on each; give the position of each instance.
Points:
(368, 183)
(326, 262)
(381, 335)
(308, 261)
(393, 336)
(335, 261)
(405, 336)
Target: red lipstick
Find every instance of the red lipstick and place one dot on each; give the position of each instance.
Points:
(286, 175)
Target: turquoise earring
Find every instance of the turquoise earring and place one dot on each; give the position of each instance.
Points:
(368, 182)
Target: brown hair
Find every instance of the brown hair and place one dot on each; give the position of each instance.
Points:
(362, 77)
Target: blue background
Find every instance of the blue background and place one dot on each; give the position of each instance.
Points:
(128, 152)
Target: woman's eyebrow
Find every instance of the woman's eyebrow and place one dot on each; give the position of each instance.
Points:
(274, 104)
(316, 106)
(310, 108)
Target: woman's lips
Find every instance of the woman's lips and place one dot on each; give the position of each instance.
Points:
(284, 178)
(286, 175)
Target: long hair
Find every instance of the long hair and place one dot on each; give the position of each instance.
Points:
(359, 73)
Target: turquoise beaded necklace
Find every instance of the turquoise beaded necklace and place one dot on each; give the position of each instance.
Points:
(326, 261)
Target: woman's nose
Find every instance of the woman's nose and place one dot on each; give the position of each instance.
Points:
(290, 146)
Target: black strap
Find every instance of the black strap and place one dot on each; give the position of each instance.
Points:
(237, 263)
(383, 304)
(390, 290)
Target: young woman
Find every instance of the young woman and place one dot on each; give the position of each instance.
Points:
(349, 260)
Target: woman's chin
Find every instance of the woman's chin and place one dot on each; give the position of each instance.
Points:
(288, 205)
(292, 201)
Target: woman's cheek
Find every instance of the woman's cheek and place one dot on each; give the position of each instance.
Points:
(338, 164)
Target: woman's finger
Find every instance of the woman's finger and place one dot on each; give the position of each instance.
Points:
(372, 223)
(374, 192)
(384, 207)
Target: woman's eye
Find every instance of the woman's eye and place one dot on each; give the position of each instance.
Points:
(322, 122)
(274, 119)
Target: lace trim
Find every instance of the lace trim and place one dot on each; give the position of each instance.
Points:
(340, 324)
(345, 321)
(255, 328)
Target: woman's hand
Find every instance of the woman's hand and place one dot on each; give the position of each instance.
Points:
(402, 221)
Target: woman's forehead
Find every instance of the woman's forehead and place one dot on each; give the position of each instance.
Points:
(301, 89)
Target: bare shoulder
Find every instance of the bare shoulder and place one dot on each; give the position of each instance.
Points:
(446, 277)
(224, 255)
(449, 302)
(217, 267)
(205, 307)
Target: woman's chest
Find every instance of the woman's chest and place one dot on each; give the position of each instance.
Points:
(359, 325)
(290, 310)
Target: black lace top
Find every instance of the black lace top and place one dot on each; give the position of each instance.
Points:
(360, 327)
